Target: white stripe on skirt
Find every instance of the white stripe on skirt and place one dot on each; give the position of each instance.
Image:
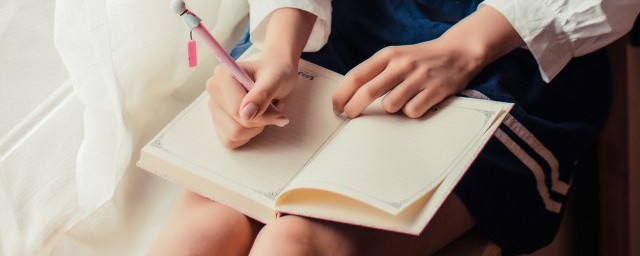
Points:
(535, 168)
(556, 184)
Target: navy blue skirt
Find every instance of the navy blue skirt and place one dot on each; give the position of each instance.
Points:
(517, 187)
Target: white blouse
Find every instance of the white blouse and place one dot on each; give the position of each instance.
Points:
(557, 30)
(260, 10)
(553, 30)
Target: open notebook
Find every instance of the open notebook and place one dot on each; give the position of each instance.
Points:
(377, 170)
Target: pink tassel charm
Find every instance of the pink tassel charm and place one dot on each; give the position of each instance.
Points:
(193, 56)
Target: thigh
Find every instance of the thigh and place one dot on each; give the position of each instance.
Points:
(199, 226)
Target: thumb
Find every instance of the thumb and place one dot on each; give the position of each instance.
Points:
(257, 101)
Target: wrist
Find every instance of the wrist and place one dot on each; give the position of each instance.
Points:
(281, 54)
(470, 55)
(482, 37)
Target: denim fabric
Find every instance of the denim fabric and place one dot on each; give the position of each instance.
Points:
(243, 44)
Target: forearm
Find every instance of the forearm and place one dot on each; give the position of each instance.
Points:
(483, 37)
(287, 33)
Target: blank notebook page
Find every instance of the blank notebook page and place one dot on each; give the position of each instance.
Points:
(389, 161)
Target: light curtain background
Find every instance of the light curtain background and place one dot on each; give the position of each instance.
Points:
(83, 85)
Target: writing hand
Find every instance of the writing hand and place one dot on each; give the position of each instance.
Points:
(239, 116)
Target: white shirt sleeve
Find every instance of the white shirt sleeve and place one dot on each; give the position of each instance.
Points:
(260, 10)
(557, 30)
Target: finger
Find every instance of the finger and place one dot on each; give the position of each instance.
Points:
(229, 93)
(228, 143)
(269, 117)
(225, 90)
(232, 129)
(356, 78)
(401, 94)
(372, 90)
(423, 101)
(256, 102)
(228, 130)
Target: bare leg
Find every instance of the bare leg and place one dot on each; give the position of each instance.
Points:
(199, 226)
(294, 235)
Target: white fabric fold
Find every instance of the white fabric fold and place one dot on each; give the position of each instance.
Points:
(124, 58)
(127, 63)
(557, 30)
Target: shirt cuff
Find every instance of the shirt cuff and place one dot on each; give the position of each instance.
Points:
(541, 31)
(260, 10)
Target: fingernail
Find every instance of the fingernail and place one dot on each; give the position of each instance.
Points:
(249, 111)
(336, 111)
(281, 121)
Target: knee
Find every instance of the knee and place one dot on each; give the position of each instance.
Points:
(290, 228)
(220, 230)
(289, 235)
(202, 226)
(201, 207)
(212, 218)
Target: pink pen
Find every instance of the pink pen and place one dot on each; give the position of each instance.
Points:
(224, 57)
(194, 23)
